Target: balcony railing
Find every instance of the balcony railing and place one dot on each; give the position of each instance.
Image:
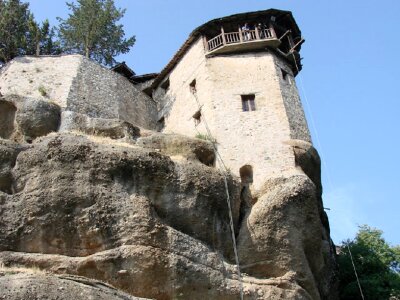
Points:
(239, 37)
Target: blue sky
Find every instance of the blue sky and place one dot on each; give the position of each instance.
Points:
(349, 87)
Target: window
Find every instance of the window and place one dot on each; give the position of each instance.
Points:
(192, 86)
(248, 102)
(285, 76)
(165, 85)
(246, 174)
(197, 117)
(161, 124)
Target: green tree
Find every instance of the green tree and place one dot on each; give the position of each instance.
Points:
(377, 264)
(40, 39)
(92, 30)
(14, 17)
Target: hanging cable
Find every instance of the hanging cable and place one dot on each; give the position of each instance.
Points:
(228, 200)
(323, 160)
(355, 272)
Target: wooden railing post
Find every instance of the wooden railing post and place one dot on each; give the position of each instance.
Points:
(272, 30)
(257, 33)
(223, 35)
(240, 35)
(205, 43)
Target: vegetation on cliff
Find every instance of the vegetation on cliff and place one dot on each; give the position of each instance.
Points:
(91, 29)
(377, 264)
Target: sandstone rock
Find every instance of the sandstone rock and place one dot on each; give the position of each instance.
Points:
(156, 227)
(175, 144)
(37, 118)
(55, 287)
(7, 117)
(308, 160)
(112, 128)
(8, 156)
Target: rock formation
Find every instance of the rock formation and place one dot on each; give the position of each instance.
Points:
(93, 201)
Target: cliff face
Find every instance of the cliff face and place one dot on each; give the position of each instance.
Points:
(104, 200)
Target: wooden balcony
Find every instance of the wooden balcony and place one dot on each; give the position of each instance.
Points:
(242, 41)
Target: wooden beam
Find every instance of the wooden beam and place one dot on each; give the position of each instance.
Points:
(223, 35)
(271, 28)
(297, 44)
(240, 35)
(257, 33)
(205, 44)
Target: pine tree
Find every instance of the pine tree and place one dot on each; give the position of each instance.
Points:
(14, 17)
(92, 30)
(40, 39)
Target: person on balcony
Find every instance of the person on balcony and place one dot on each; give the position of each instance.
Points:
(246, 32)
(260, 28)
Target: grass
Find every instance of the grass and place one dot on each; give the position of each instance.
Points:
(42, 90)
(206, 137)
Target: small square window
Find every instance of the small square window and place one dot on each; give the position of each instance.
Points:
(285, 76)
(248, 102)
(197, 117)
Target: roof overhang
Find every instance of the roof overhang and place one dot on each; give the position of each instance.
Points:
(281, 18)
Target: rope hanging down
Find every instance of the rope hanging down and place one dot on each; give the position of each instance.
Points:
(228, 200)
(324, 162)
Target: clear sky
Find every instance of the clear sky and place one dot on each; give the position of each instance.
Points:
(351, 89)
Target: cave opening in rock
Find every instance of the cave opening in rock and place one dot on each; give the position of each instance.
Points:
(7, 117)
(246, 174)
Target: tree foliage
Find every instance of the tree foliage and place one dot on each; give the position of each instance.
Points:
(40, 39)
(92, 30)
(377, 264)
(14, 17)
(20, 34)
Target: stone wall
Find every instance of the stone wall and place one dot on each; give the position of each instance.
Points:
(177, 104)
(47, 78)
(77, 84)
(255, 138)
(101, 93)
(294, 109)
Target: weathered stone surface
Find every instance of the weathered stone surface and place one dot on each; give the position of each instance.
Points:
(125, 214)
(105, 185)
(78, 84)
(7, 117)
(307, 158)
(282, 233)
(175, 144)
(56, 287)
(8, 156)
(37, 118)
(112, 128)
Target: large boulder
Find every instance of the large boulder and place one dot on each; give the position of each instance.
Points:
(158, 227)
(179, 145)
(111, 128)
(7, 117)
(37, 118)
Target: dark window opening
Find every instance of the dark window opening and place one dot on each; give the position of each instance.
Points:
(197, 117)
(284, 74)
(246, 174)
(192, 86)
(165, 85)
(161, 124)
(148, 91)
(248, 102)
